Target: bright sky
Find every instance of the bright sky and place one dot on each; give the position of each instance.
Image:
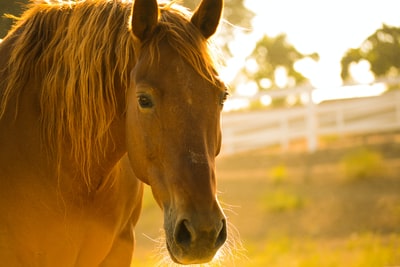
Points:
(326, 27)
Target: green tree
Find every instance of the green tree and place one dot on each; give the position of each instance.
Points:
(14, 8)
(381, 50)
(271, 54)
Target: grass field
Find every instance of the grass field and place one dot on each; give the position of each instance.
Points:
(339, 207)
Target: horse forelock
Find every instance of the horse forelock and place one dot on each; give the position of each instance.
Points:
(175, 28)
(84, 51)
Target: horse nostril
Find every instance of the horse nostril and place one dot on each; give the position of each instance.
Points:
(222, 235)
(183, 236)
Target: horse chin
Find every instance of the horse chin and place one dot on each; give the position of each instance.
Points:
(173, 258)
(186, 259)
(197, 256)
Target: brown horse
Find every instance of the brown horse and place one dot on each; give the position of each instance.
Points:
(98, 97)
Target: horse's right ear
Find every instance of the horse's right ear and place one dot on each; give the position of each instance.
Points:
(144, 18)
(207, 15)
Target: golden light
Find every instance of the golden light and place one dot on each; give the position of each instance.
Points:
(312, 26)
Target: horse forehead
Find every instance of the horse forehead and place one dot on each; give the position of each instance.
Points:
(175, 77)
(180, 80)
(175, 64)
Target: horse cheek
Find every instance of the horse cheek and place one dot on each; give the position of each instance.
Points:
(135, 145)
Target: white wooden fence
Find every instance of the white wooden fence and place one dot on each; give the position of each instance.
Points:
(251, 130)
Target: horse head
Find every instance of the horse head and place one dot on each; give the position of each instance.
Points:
(173, 125)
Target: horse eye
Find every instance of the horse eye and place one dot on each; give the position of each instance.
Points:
(224, 97)
(145, 101)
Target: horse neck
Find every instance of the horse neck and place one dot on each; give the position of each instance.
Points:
(21, 137)
(102, 164)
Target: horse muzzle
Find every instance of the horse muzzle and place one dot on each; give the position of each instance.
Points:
(195, 239)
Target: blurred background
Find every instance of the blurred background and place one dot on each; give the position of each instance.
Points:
(309, 172)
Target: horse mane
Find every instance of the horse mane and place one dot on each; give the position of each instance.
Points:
(175, 28)
(83, 51)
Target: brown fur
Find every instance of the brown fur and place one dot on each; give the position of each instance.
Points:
(84, 50)
(91, 106)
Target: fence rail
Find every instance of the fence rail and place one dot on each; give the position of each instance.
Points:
(251, 130)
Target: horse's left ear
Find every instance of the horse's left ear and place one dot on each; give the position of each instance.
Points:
(207, 15)
(144, 18)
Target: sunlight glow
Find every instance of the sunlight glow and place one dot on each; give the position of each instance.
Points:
(346, 92)
(361, 72)
(281, 77)
(251, 65)
(265, 83)
(233, 104)
(307, 66)
(266, 100)
(247, 89)
(313, 26)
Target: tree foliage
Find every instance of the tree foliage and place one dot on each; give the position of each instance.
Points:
(271, 53)
(381, 50)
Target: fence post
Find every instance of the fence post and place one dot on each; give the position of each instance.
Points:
(339, 121)
(312, 143)
(397, 97)
(284, 133)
